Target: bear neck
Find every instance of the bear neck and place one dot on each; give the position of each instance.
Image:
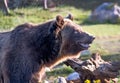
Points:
(49, 45)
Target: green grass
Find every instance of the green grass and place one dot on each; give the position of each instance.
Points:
(101, 30)
(63, 71)
(19, 16)
(38, 15)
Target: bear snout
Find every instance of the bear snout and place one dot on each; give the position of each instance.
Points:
(90, 40)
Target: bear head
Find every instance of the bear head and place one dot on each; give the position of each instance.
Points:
(72, 38)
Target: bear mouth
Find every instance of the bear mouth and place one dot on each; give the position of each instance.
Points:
(84, 46)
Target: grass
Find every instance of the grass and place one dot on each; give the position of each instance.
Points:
(38, 15)
(19, 16)
(63, 71)
(103, 30)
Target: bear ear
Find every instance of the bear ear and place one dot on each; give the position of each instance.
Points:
(70, 17)
(59, 21)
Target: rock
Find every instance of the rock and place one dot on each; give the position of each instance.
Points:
(85, 52)
(73, 76)
(107, 12)
(61, 80)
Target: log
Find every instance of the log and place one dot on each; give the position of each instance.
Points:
(95, 68)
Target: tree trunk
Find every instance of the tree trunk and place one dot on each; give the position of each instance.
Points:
(48, 4)
(45, 4)
(4, 7)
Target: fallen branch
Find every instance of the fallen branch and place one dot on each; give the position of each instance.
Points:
(95, 68)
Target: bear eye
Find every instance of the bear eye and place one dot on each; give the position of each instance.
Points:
(76, 32)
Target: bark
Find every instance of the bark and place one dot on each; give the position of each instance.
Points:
(45, 4)
(96, 68)
(48, 4)
(4, 7)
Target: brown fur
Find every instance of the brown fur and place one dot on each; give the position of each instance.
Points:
(28, 49)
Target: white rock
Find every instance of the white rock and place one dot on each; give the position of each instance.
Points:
(61, 80)
(73, 76)
(107, 12)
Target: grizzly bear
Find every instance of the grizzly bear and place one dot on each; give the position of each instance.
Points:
(29, 48)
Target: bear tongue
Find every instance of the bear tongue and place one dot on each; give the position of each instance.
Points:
(85, 45)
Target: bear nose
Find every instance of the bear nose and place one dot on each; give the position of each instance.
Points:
(93, 37)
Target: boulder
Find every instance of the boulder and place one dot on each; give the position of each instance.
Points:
(73, 76)
(106, 13)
